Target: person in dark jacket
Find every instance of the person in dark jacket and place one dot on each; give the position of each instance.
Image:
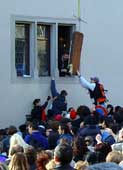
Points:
(38, 109)
(52, 134)
(59, 103)
(96, 90)
(90, 127)
(63, 155)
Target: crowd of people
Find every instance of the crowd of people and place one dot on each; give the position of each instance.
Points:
(64, 138)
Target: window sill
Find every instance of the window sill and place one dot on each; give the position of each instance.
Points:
(45, 80)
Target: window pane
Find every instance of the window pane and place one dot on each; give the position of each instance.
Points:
(43, 48)
(64, 39)
(22, 60)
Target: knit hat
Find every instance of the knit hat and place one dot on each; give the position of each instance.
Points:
(73, 114)
(96, 79)
(58, 117)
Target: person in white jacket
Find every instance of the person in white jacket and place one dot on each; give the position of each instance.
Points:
(96, 90)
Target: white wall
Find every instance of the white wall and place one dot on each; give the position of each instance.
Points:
(101, 56)
(103, 49)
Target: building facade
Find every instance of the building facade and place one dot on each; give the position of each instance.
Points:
(35, 43)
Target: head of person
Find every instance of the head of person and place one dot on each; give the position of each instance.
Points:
(81, 165)
(89, 140)
(50, 165)
(104, 166)
(11, 130)
(64, 93)
(79, 147)
(117, 108)
(63, 154)
(42, 159)
(36, 102)
(16, 148)
(120, 135)
(18, 161)
(83, 111)
(102, 150)
(110, 108)
(94, 80)
(63, 129)
(32, 126)
(16, 139)
(114, 156)
(66, 121)
(90, 120)
(30, 153)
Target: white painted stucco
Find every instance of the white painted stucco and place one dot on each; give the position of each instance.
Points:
(101, 55)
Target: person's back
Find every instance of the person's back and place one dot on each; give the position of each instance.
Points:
(90, 127)
(59, 103)
(52, 139)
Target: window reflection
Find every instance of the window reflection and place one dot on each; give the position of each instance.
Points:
(22, 60)
(43, 49)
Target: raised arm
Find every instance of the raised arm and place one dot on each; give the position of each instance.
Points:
(53, 88)
(46, 103)
(84, 83)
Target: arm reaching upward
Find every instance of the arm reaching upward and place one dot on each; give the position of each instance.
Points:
(53, 88)
(86, 84)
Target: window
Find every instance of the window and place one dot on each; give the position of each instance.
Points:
(22, 54)
(43, 49)
(64, 44)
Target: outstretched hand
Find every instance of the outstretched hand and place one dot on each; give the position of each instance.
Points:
(48, 98)
(78, 73)
(98, 138)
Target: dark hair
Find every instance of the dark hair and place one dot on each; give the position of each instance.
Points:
(36, 101)
(65, 120)
(74, 130)
(102, 150)
(11, 130)
(34, 125)
(64, 153)
(79, 148)
(111, 108)
(83, 111)
(90, 120)
(117, 108)
(106, 122)
(30, 153)
(63, 93)
(65, 128)
(91, 158)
